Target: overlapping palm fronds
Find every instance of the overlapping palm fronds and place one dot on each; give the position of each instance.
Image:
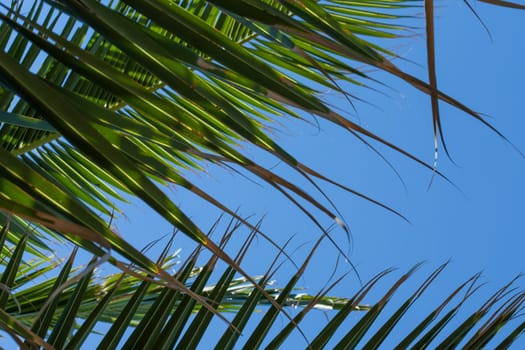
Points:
(101, 98)
(149, 90)
(63, 311)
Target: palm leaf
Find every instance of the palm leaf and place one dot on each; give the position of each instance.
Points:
(175, 319)
(63, 51)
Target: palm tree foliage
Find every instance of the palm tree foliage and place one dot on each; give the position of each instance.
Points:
(105, 98)
(61, 312)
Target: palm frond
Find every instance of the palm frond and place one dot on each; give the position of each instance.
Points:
(159, 317)
(150, 89)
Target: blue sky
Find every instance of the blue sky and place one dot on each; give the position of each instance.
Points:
(479, 227)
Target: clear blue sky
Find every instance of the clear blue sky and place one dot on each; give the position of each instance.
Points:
(480, 228)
